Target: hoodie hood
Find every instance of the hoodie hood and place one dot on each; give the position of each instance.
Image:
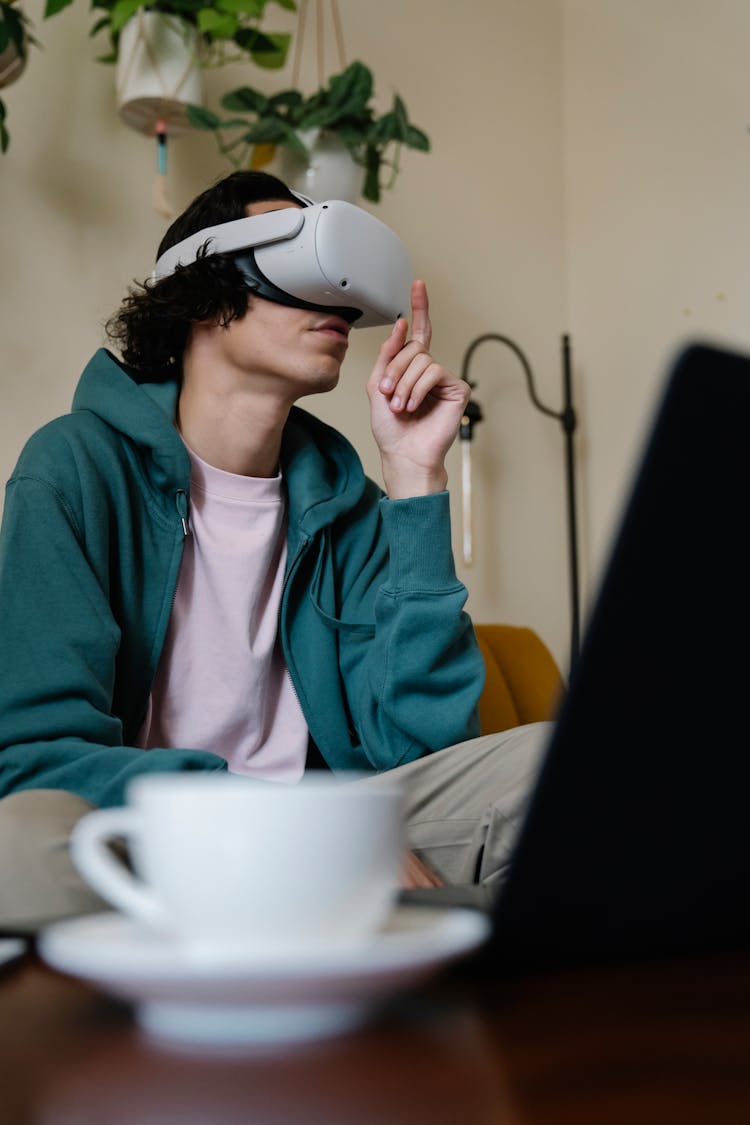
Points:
(142, 412)
(323, 473)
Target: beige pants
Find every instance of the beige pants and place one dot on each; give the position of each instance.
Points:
(464, 805)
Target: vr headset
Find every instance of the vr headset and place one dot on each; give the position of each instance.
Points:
(330, 257)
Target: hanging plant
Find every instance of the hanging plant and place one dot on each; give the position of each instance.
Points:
(228, 30)
(342, 107)
(160, 48)
(15, 39)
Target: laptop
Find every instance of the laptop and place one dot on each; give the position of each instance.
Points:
(636, 841)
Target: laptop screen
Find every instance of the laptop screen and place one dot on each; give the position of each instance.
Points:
(637, 838)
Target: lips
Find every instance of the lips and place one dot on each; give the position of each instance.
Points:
(336, 325)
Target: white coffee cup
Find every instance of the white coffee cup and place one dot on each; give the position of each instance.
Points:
(226, 864)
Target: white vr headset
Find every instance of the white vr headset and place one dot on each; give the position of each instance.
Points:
(332, 257)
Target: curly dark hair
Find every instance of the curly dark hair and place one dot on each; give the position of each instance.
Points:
(152, 324)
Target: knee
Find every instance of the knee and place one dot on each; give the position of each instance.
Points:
(35, 816)
(524, 744)
(37, 880)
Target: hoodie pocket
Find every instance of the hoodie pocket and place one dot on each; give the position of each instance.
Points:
(324, 598)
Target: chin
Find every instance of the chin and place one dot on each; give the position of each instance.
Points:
(321, 382)
(327, 383)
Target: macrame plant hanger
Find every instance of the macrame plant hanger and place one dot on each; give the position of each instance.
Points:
(319, 39)
(158, 76)
(325, 168)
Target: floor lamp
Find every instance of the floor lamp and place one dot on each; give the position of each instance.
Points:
(567, 419)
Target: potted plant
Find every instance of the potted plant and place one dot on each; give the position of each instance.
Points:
(15, 38)
(341, 110)
(228, 30)
(165, 38)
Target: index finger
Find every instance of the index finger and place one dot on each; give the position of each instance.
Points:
(421, 325)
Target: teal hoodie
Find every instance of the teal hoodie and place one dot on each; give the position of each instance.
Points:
(381, 654)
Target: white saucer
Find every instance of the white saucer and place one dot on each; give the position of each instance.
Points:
(269, 997)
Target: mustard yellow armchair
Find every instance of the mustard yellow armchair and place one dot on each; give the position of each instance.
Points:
(523, 683)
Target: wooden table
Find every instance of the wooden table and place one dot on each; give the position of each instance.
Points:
(642, 1045)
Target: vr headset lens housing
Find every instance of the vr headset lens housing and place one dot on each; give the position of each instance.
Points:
(331, 257)
(260, 284)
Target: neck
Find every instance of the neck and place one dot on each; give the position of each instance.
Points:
(229, 424)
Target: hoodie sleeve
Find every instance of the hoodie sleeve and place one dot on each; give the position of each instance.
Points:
(59, 642)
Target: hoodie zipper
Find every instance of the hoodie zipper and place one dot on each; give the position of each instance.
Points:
(291, 568)
(183, 511)
(181, 503)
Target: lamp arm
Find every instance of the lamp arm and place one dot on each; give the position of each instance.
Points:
(568, 420)
(558, 414)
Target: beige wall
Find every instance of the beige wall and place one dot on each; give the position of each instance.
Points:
(657, 187)
(589, 174)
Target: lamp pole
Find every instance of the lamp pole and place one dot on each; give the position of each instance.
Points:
(567, 419)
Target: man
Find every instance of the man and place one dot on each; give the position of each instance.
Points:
(196, 574)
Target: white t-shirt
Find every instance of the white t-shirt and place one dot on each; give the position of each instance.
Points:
(222, 683)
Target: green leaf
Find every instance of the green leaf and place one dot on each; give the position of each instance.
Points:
(99, 25)
(272, 131)
(184, 9)
(252, 8)
(52, 7)
(13, 30)
(415, 138)
(215, 24)
(245, 100)
(291, 141)
(352, 89)
(387, 128)
(272, 52)
(4, 134)
(202, 118)
(335, 118)
(321, 118)
(289, 5)
(265, 131)
(286, 98)
(122, 11)
(353, 137)
(252, 39)
(233, 123)
(400, 109)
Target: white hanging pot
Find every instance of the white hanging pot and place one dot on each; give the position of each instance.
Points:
(329, 172)
(158, 72)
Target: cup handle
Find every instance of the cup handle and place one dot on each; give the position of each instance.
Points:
(105, 873)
